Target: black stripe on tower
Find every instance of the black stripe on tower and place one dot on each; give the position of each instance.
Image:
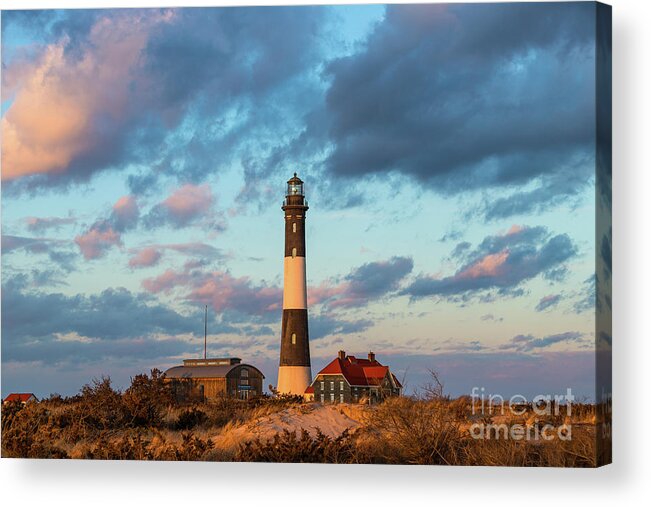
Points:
(295, 218)
(294, 345)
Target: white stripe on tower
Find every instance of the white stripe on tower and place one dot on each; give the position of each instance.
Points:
(295, 292)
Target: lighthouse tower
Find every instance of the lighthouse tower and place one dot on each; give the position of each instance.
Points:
(294, 373)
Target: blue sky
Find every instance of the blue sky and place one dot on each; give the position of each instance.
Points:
(448, 155)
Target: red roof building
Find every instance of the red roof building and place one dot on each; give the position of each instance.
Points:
(348, 379)
(21, 397)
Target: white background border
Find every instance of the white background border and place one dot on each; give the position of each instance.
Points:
(102, 483)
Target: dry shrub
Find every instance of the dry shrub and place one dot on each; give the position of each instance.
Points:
(146, 398)
(27, 432)
(408, 431)
(288, 447)
(190, 418)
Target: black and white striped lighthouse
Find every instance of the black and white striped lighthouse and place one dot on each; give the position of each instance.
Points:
(294, 372)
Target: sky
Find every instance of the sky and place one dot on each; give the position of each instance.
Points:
(448, 154)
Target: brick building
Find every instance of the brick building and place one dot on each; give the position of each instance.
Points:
(347, 379)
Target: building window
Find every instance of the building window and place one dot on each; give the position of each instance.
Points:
(341, 385)
(294, 226)
(322, 398)
(332, 386)
(293, 252)
(293, 338)
(244, 372)
(332, 397)
(322, 385)
(244, 381)
(341, 398)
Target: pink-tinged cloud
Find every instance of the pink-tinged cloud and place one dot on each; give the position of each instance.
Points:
(225, 292)
(489, 265)
(219, 289)
(145, 258)
(126, 212)
(515, 229)
(95, 243)
(501, 262)
(166, 281)
(325, 292)
(189, 201)
(369, 282)
(66, 105)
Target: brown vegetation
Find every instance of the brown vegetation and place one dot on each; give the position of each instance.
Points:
(145, 422)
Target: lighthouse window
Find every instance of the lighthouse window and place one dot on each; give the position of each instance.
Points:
(294, 226)
(293, 338)
(293, 252)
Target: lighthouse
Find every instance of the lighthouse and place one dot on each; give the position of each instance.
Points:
(294, 372)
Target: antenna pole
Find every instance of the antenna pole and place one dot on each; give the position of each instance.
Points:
(205, 333)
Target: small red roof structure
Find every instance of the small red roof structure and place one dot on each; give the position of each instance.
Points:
(22, 397)
(309, 390)
(359, 372)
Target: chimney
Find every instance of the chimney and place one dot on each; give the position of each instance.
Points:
(342, 354)
(371, 356)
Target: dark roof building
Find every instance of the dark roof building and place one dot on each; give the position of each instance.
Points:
(208, 379)
(21, 397)
(348, 379)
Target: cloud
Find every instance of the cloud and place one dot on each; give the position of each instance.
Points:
(219, 289)
(502, 262)
(107, 233)
(527, 343)
(366, 283)
(34, 245)
(111, 314)
(42, 224)
(70, 109)
(145, 258)
(587, 296)
(184, 206)
(469, 101)
(548, 302)
(325, 325)
(125, 213)
(113, 324)
(114, 89)
(490, 316)
(95, 242)
(55, 249)
(151, 255)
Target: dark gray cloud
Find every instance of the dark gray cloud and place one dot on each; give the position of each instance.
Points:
(500, 262)
(527, 343)
(467, 96)
(214, 71)
(55, 326)
(588, 296)
(58, 251)
(375, 279)
(41, 224)
(548, 302)
(368, 282)
(325, 325)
